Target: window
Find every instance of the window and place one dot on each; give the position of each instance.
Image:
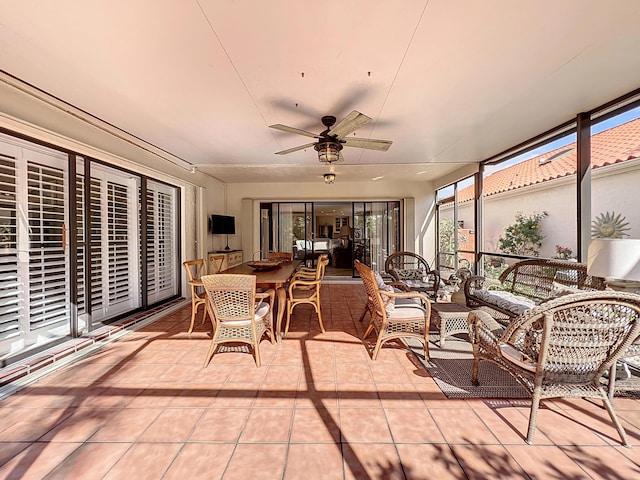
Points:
(615, 175)
(456, 226)
(529, 202)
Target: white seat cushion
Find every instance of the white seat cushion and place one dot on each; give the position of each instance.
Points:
(407, 312)
(512, 354)
(513, 303)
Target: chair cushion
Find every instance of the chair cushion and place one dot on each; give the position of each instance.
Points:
(419, 284)
(512, 354)
(262, 309)
(516, 304)
(389, 303)
(407, 312)
(379, 280)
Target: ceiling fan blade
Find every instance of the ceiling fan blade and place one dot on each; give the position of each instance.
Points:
(284, 128)
(370, 143)
(349, 124)
(295, 149)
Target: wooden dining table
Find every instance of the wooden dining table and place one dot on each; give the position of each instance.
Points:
(275, 278)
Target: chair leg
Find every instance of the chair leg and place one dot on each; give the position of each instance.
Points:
(289, 310)
(210, 352)
(533, 415)
(614, 418)
(377, 349)
(364, 313)
(474, 370)
(319, 314)
(256, 352)
(611, 385)
(368, 331)
(194, 309)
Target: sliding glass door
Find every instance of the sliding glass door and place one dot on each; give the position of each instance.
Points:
(368, 231)
(34, 255)
(377, 228)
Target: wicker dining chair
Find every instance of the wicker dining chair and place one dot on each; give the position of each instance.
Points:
(391, 322)
(305, 288)
(195, 270)
(238, 313)
(561, 348)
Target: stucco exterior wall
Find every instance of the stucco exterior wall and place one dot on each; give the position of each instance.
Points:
(613, 189)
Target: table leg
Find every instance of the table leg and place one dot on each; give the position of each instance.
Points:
(281, 305)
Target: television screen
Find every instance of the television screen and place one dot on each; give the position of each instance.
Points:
(222, 225)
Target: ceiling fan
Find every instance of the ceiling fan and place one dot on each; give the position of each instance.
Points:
(334, 138)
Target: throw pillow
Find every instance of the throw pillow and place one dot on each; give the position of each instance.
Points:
(379, 280)
(389, 302)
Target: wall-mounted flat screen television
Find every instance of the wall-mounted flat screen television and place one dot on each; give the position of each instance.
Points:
(222, 225)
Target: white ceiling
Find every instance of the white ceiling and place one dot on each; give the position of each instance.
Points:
(448, 82)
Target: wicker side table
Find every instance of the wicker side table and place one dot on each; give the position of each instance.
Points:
(449, 319)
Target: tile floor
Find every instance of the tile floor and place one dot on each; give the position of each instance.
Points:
(144, 407)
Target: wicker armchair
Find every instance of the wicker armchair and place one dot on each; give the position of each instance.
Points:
(305, 288)
(390, 322)
(195, 270)
(561, 348)
(238, 313)
(414, 271)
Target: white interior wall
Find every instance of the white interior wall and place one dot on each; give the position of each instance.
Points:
(243, 200)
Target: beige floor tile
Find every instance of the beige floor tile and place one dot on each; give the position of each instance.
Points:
(421, 461)
(36, 460)
(200, 461)
(413, 426)
(144, 461)
(546, 461)
(371, 460)
(268, 425)
(313, 461)
(90, 460)
(315, 425)
(127, 425)
(480, 462)
(220, 425)
(172, 425)
(462, 425)
(364, 425)
(257, 461)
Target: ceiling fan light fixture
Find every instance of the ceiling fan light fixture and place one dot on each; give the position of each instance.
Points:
(329, 178)
(328, 152)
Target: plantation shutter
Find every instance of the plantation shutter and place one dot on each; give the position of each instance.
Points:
(114, 244)
(9, 284)
(162, 257)
(48, 258)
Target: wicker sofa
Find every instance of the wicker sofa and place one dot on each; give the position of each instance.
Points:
(528, 283)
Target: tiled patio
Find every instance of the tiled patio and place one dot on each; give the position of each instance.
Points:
(143, 407)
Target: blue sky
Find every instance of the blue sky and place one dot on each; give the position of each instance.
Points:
(596, 128)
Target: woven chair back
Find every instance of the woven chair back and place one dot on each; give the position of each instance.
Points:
(371, 287)
(537, 278)
(406, 265)
(231, 297)
(578, 337)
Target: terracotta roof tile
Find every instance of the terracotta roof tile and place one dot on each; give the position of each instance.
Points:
(615, 145)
